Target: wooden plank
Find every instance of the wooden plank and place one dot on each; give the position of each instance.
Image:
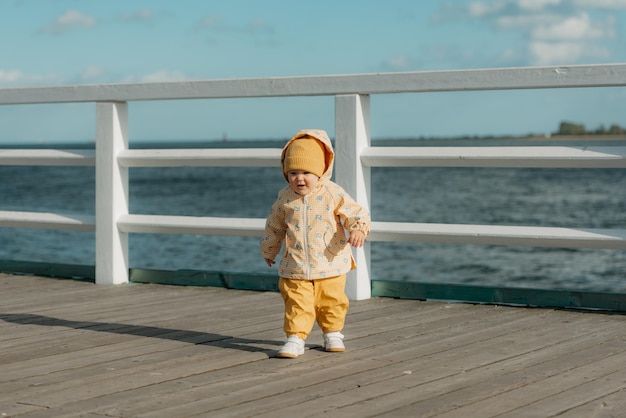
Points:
(312, 392)
(491, 390)
(559, 393)
(611, 405)
(131, 408)
(390, 386)
(62, 341)
(295, 382)
(153, 350)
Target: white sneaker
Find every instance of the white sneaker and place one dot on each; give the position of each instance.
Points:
(333, 342)
(294, 346)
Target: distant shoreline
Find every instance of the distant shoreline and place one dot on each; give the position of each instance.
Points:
(558, 137)
(535, 137)
(278, 143)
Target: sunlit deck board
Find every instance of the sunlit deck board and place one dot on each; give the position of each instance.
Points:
(70, 348)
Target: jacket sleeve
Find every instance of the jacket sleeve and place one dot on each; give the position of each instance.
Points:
(352, 215)
(275, 231)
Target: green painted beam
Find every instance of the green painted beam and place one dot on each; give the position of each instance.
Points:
(240, 281)
(57, 270)
(500, 295)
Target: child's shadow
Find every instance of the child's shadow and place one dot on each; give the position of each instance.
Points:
(191, 337)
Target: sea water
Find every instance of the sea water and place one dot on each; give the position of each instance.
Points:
(570, 198)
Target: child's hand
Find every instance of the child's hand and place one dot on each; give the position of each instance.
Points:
(269, 262)
(357, 238)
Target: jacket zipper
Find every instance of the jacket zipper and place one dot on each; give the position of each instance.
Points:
(304, 241)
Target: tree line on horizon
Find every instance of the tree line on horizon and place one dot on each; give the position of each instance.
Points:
(570, 128)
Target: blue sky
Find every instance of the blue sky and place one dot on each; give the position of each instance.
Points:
(46, 42)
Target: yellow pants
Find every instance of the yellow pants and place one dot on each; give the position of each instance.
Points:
(306, 301)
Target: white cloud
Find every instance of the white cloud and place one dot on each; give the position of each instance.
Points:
(555, 31)
(72, 19)
(575, 28)
(557, 53)
(477, 9)
(525, 22)
(92, 72)
(481, 9)
(601, 4)
(211, 22)
(162, 75)
(10, 76)
(547, 53)
(254, 27)
(397, 63)
(509, 55)
(259, 26)
(536, 5)
(19, 78)
(139, 16)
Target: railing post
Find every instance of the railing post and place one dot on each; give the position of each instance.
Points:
(111, 193)
(352, 135)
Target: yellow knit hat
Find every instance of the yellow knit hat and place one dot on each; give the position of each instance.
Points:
(305, 154)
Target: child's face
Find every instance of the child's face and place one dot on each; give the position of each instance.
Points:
(302, 182)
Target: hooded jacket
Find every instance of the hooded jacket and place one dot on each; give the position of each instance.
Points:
(313, 227)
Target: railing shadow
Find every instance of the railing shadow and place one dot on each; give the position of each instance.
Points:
(185, 336)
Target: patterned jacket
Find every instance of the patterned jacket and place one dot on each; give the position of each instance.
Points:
(313, 227)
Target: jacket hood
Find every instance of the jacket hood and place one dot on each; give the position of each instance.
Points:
(322, 137)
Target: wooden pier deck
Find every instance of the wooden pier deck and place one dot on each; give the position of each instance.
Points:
(73, 349)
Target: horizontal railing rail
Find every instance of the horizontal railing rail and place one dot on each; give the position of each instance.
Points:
(517, 157)
(47, 220)
(238, 157)
(47, 157)
(512, 156)
(355, 158)
(606, 75)
(530, 236)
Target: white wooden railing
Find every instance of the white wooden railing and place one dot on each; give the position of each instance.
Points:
(354, 158)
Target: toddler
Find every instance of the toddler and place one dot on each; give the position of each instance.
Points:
(311, 216)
